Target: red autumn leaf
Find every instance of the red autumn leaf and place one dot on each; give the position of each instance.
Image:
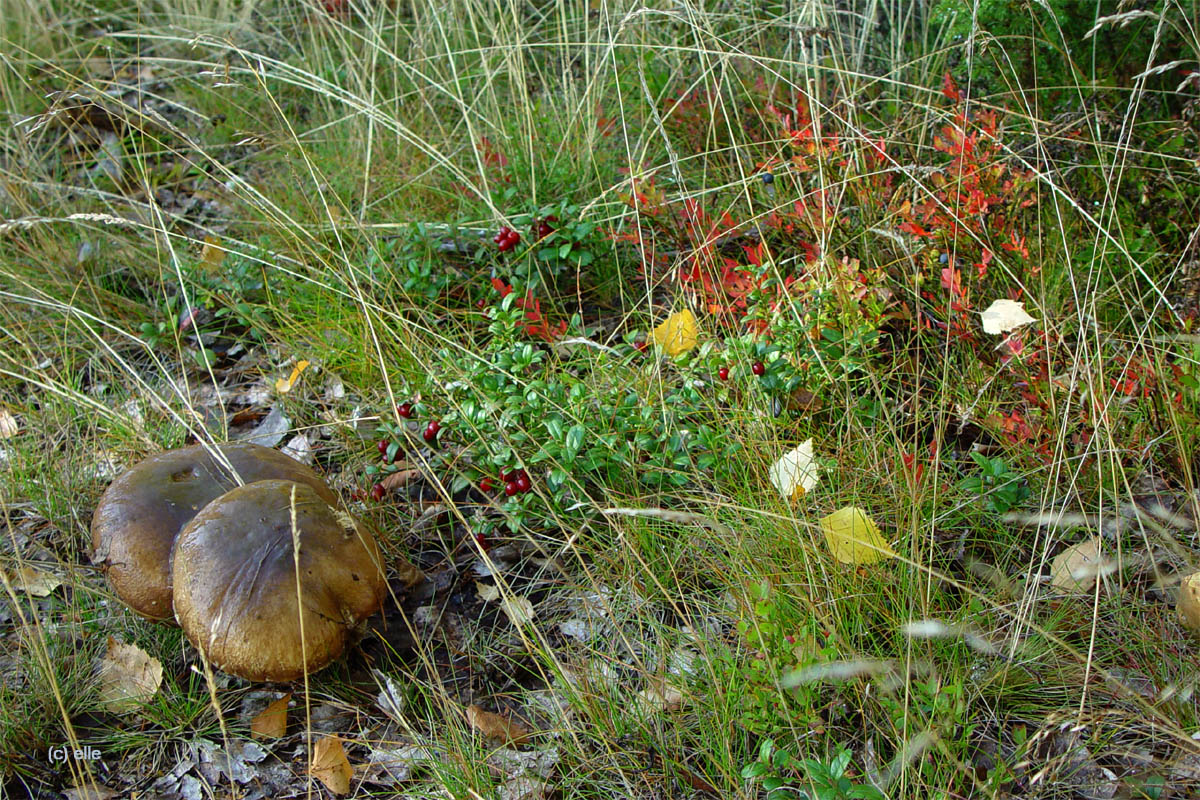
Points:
(916, 230)
(950, 88)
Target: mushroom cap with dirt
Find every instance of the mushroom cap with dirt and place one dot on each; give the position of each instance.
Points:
(270, 581)
(136, 521)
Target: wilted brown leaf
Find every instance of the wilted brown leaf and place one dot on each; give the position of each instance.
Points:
(401, 478)
(494, 726)
(330, 765)
(128, 677)
(271, 722)
(33, 581)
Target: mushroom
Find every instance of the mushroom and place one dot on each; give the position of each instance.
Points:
(1187, 604)
(139, 516)
(270, 581)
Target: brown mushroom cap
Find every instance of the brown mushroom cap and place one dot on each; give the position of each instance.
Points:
(141, 513)
(237, 596)
(1187, 604)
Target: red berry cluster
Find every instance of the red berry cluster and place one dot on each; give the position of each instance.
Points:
(516, 481)
(506, 239)
(430, 435)
(542, 228)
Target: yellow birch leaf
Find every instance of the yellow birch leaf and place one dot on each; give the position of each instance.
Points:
(330, 765)
(795, 473)
(1003, 316)
(518, 609)
(8, 424)
(128, 676)
(854, 538)
(678, 333)
(284, 386)
(212, 254)
(34, 581)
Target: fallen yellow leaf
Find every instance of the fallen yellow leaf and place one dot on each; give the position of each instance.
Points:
(518, 609)
(795, 473)
(678, 334)
(33, 581)
(854, 538)
(128, 677)
(8, 424)
(330, 765)
(212, 254)
(1003, 316)
(284, 386)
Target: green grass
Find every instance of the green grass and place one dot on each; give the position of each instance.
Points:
(335, 157)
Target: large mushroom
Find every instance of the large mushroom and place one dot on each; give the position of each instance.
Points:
(270, 582)
(139, 516)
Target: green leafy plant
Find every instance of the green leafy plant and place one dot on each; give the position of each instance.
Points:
(1000, 488)
(784, 776)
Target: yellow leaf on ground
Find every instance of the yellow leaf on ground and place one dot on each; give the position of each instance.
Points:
(795, 473)
(212, 254)
(8, 424)
(678, 334)
(1003, 316)
(33, 581)
(330, 765)
(284, 386)
(128, 677)
(854, 538)
(518, 610)
(271, 722)
(494, 726)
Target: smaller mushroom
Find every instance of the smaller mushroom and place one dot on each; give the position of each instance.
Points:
(136, 521)
(1187, 604)
(270, 581)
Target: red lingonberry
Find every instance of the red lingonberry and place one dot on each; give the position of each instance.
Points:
(723, 373)
(382, 447)
(506, 239)
(523, 483)
(483, 542)
(486, 485)
(640, 346)
(431, 431)
(405, 410)
(378, 491)
(511, 488)
(507, 475)
(758, 368)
